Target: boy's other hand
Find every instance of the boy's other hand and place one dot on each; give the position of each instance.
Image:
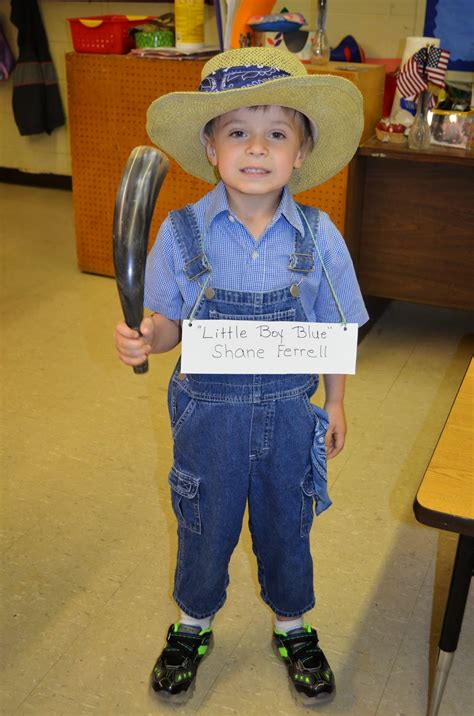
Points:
(133, 348)
(336, 433)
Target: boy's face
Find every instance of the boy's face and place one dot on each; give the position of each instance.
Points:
(256, 150)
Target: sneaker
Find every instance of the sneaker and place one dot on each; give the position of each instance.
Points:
(311, 678)
(174, 674)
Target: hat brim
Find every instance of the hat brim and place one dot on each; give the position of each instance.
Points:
(333, 104)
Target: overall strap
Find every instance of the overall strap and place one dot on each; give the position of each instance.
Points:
(302, 258)
(189, 239)
(310, 217)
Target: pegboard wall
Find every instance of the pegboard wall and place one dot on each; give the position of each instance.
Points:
(108, 98)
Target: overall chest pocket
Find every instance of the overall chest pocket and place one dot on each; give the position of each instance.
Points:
(286, 315)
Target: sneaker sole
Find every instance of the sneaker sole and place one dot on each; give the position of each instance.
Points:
(183, 696)
(302, 699)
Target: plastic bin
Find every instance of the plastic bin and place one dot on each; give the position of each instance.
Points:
(105, 34)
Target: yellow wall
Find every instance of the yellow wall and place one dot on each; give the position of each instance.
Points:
(379, 26)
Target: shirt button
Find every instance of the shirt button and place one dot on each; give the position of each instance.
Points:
(255, 254)
(231, 218)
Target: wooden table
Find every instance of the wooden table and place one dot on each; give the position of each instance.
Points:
(415, 223)
(445, 499)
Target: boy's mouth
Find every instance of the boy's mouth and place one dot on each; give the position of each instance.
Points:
(256, 171)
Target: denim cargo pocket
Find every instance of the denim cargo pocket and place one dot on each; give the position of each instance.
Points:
(319, 460)
(185, 499)
(308, 494)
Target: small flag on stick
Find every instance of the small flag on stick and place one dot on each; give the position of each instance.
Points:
(427, 65)
(436, 65)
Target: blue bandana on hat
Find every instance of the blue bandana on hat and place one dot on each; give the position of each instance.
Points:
(228, 78)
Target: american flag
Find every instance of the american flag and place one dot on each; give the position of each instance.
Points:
(436, 65)
(410, 79)
(429, 64)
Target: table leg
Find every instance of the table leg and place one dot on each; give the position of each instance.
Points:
(453, 616)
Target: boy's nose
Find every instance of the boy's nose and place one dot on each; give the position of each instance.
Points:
(257, 145)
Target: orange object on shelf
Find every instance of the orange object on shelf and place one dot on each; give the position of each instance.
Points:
(247, 9)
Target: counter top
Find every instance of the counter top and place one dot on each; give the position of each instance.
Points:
(435, 154)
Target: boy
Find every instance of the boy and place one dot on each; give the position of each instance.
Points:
(247, 250)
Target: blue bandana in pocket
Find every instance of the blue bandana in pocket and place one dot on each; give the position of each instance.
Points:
(319, 460)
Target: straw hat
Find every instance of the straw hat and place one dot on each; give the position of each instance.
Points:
(261, 76)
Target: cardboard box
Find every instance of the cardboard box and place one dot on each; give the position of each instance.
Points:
(370, 79)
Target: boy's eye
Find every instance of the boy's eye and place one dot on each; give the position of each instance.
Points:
(237, 133)
(276, 134)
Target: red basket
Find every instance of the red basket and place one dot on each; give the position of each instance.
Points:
(105, 34)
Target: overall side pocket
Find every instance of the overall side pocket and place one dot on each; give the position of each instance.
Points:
(308, 495)
(185, 499)
(180, 405)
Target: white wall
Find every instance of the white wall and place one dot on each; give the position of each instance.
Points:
(378, 25)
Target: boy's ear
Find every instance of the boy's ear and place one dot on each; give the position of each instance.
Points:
(301, 156)
(211, 152)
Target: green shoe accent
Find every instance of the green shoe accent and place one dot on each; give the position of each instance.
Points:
(174, 673)
(311, 678)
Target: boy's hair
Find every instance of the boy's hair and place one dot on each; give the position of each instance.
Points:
(306, 133)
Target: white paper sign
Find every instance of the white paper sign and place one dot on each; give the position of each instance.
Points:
(216, 346)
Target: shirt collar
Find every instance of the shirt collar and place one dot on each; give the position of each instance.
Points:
(218, 203)
(287, 209)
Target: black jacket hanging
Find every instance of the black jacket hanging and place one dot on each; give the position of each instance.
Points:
(37, 105)
(7, 61)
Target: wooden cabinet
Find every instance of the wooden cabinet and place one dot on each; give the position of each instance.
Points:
(416, 224)
(108, 98)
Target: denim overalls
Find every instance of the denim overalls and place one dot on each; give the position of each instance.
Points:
(240, 438)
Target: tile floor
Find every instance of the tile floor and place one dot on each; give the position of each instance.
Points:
(88, 536)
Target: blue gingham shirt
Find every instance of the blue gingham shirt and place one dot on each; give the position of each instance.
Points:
(241, 263)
